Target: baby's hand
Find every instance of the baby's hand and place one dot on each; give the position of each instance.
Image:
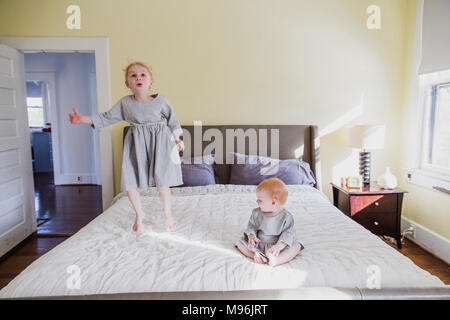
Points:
(276, 248)
(252, 241)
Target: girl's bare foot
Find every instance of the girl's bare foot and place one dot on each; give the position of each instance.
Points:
(137, 224)
(171, 224)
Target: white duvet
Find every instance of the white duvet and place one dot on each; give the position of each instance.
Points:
(106, 256)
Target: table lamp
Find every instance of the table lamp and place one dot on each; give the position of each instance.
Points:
(366, 137)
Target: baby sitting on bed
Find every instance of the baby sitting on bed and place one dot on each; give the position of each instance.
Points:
(270, 235)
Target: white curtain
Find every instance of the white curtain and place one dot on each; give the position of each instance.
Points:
(435, 36)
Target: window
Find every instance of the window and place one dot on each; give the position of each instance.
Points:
(35, 112)
(433, 162)
(437, 132)
(428, 141)
(35, 104)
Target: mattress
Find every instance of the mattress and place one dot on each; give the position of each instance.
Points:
(107, 257)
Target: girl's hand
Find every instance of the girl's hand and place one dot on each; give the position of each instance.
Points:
(180, 144)
(252, 241)
(77, 118)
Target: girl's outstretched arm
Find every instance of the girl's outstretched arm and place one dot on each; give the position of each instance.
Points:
(77, 118)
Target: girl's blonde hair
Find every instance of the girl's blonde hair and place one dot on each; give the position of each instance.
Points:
(149, 69)
(276, 189)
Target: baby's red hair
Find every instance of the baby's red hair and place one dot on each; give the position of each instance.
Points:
(276, 189)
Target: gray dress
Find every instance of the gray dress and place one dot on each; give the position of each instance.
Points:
(150, 155)
(270, 230)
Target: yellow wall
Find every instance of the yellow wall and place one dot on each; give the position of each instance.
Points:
(426, 207)
(252, 62)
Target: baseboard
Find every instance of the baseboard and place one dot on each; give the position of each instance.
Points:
(76, 179)
(427, 239)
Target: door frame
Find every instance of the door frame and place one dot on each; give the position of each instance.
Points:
(100, 48)
(49, 79)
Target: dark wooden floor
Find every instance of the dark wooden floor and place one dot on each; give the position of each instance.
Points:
(16, 260)
(66, 209)
(424, 260)
(71, 208)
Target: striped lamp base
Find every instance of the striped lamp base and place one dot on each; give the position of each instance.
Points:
(364, 167)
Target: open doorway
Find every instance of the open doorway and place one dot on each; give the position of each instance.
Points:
(16, 174)
(100, 48)
(66, 159)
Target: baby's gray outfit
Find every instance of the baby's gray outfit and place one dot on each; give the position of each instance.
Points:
(270, 230)
(150, 155)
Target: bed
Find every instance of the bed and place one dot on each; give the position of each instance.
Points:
(341, 259)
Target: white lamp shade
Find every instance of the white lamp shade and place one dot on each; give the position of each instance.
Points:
(366, 137)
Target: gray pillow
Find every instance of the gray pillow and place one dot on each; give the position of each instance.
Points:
(255, 169)
(198, 171)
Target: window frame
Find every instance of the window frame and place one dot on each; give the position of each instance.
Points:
(422, 173)
(45, 105)
(43, 116)
(430, 111)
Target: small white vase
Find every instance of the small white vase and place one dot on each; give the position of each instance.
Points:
(387, 180)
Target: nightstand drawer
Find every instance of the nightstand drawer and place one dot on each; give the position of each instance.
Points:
(373, 204)
(381, 224)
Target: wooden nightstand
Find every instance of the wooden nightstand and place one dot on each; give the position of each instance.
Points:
(378, 210)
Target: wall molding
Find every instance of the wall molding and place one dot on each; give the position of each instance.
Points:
(427, 239)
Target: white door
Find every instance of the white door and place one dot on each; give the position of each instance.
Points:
(17, 212)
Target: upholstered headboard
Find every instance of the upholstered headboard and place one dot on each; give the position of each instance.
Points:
(292, 141)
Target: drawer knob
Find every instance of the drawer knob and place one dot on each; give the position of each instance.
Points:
(377, 204)
(376, 223)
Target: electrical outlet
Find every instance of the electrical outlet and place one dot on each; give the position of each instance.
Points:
(410, 232)
(79, 178)
(413, 232)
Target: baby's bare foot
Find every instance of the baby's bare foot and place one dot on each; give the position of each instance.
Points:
(171, 224)
(258, 259)
(272, 260)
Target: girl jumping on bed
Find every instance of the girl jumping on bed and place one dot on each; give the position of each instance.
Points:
(150, 150)
(270, 235)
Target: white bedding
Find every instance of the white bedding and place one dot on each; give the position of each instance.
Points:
(200, 256)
